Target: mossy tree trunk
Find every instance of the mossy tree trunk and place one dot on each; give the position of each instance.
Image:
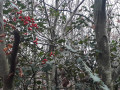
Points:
(103, 57)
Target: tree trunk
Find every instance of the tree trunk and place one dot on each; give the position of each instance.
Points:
(103, 56)
(4, 68)
(6, 73)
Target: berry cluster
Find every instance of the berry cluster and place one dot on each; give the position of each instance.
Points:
(44, 61)
(20, 12)
(27, 20)
(52, 54)
(35, 41)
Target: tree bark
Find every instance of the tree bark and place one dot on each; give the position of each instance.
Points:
(4, 67)
(7, 71)
(3, 61)
(103, 56)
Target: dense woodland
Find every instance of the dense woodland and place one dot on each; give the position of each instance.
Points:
(59, 44)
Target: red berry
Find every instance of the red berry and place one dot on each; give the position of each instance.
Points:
(37, 27)
(29, 20)
(33, 21)
(14, 19)
(45, 59)
(4, 20)
(32, 18)
(25, 22)
(20, 17)
(20, 11)
(28, 17)
(29, 28)
(36, 38)
(34, 41)
(25, 33)
(33, 24)
(25, 17)
(43, 62)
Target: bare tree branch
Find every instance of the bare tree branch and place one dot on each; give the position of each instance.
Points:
(73, 13)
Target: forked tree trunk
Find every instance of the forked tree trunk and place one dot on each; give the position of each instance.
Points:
(103, 58)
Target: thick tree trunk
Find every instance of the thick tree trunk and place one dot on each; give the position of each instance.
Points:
(103, 57)
(3, 61)
(4, 69)
(5, 73)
